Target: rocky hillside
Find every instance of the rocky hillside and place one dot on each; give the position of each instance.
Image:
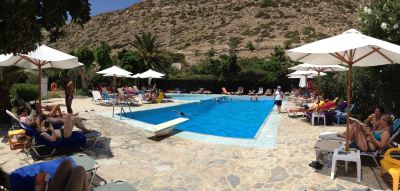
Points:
(193, 27)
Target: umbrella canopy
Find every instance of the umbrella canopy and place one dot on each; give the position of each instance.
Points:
(42, 57)
(352, 48)
(306, 73)
(114, 70)
(151, 74)
(318, 68)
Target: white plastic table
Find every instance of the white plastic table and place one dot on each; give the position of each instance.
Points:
(353, 156)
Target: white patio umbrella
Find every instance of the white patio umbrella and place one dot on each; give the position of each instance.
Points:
(319, 69)
(115, 72)
(304, 75)
(150, 74)
(352, 48)
(41, 58)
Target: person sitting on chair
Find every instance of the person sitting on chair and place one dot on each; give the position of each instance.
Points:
(371, 139)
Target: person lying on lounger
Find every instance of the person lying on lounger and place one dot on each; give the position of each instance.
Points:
(49, 110)
(46, 129)
(305, 108)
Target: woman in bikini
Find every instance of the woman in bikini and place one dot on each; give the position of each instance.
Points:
(372, 139)
(46, 129)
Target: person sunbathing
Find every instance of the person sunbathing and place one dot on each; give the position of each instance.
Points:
(371, 139)
(305, 108)
(49, 110)
(45, 127)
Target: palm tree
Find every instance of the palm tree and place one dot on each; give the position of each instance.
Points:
(148, 47)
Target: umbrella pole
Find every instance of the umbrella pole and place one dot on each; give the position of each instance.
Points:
(319, 83)
(350, 75)
(39, 109)
(114, 84)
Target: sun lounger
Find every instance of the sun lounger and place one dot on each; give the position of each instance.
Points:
(118, 185)
(126, 99)
(240, 91)
(252, 92)
(98, 99)
(224, 91)
(23, 178)
(165, 128)
(260, 91)
(395, 127)
(268, 92)
(77, 140)
(343, 115)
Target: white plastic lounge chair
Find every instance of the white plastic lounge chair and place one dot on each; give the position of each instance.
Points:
(260, 91)
(165, 128)
(98, 99)
(118, 185)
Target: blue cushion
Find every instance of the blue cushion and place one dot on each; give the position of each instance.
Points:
(395, 125)
(76, 139)
(24, 177)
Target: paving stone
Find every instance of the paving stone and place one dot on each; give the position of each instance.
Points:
(278, 174)
(233, 180)
(217, 163)
(258, 185)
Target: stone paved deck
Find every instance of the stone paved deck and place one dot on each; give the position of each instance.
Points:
(174, 163)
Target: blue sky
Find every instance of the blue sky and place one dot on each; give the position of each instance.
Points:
(101, 6)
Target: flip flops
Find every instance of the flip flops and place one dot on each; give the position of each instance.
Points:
(316, 165)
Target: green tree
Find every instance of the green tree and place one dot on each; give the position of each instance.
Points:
(87, 57)
(103, 55)
(129, 61)
(148, 47)
(379, 19)
(228, 67)
(250, 46)
(233, 44)
(22, 22)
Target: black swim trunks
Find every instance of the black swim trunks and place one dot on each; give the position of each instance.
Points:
(278, 102)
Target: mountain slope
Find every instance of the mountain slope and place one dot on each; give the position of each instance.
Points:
(193, 27)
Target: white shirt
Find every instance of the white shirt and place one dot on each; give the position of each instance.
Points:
(278, 95)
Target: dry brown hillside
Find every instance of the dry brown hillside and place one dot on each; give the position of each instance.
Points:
(193, 27)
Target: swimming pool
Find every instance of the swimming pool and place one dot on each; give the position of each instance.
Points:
(191, 97)
(235, 118)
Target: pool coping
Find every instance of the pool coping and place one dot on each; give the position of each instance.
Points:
(265, 136)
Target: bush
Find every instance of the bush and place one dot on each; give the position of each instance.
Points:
(26, 92)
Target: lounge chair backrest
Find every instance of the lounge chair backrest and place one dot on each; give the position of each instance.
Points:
(260, 90)
(224, 90)
(12, 115)
(395, 126)
(96, 95)
(135, 89)
(240, 88)
(351, 107)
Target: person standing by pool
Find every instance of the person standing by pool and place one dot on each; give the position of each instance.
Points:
(69, 92)
(278, 97)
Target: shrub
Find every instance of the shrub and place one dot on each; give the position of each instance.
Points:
(26, 92)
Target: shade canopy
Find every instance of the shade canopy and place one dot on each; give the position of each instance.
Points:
(306, 73)
(368, 51)
(151, 74)
(299, 77)
(118, 76)
(115, 70)
(319, 68)
(42, 57)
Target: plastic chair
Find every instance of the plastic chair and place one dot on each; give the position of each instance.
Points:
(318, 115)
(392, 166)
(340, 115)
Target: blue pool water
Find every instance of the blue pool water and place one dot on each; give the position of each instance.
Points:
(190, 97)
(235, 118)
